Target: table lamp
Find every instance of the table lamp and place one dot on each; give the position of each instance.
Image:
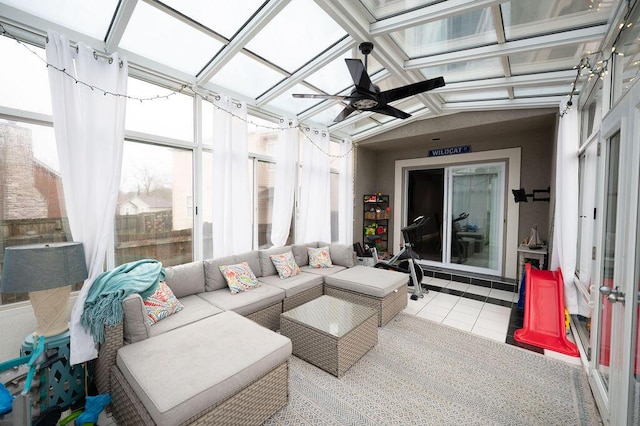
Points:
(45, 271)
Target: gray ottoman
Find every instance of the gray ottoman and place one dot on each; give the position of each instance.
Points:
(219, 369)
(381, 289)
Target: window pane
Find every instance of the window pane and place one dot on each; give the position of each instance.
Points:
(263, 136)
(154, 213)
(207, 204)
(335, 182)
(24, 84)
(171, 117)
(265, 179)
(31, 197)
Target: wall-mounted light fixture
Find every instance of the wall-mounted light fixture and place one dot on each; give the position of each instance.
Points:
(520, 195)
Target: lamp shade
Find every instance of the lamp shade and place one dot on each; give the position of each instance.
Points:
(35, 267)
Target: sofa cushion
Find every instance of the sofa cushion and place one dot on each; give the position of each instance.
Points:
(185, 279)
(135, 324)
(300, 253)
(322, 271)
(161, 303)
(253, 259)
(370, 281)
(136, 327)
(319, 257)
(213, 278)
(247, 302)
(195, 309)
(341, 254)
(223, 354)
(294, 285)
(239, 277)
(266, 264)
(285, 265)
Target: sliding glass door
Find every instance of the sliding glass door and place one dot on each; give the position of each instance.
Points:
(465, 207)
(476, 196)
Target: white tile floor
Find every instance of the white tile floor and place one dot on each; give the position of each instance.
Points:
(481, 318)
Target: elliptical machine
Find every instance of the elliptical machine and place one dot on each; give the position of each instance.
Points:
(404, 261)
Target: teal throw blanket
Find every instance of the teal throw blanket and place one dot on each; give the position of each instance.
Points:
(104, 300)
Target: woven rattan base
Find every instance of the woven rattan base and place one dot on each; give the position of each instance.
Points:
(268, 317)
(253, 405)
(388, 306)
(302, 298)
(329, 352)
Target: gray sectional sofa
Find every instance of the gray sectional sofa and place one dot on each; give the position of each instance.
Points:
(129, 360)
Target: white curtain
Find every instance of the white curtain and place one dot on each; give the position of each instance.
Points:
(565, 222)
(285, 182)
(314, 219)
(345, 193)
(232, 216)
(89, 130)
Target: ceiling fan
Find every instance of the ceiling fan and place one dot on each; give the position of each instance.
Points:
(366, 96)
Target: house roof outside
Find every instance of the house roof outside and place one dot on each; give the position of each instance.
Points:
(493, 54)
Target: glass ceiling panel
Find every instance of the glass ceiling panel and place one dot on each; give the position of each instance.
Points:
(466, 71)
(168, 41)
(279, 43)
(525, 18)
(24, 84)
(548, 90)
(223, 17)
(362, 125)
(287, 103)
(458, 32)
(90, 17)
(385, 8)
(333, 78)
(546, 60)
(239, 75)
(480, 95)
(326, 116)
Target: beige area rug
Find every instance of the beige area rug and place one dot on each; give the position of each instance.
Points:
(423, 373)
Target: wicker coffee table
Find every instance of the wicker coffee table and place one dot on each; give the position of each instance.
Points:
(331, 333)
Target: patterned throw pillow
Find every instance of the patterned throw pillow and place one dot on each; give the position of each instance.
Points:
(161, 303)
(239, 277)
(319, 257)
(285, 264)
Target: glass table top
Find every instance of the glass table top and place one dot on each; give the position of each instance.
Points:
(330, 315)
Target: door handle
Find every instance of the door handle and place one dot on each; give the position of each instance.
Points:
(613, 295)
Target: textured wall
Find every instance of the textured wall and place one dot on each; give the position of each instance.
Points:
(534, 131)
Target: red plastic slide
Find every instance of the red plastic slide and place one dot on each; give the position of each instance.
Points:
(544, 324)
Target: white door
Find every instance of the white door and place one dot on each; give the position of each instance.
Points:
(614, 362)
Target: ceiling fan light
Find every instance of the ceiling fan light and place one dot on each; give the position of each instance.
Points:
(364, 104)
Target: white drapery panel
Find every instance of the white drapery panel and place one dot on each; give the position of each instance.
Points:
(285, 182)
(314, 219)
(345, 193)
(232, 216)
(89, 130)
(565, 222)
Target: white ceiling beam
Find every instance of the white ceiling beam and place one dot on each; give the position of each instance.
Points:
(119, 24)
(526, 45)
(257, 23)
(427, 14)
(555, 77)
(547, 101)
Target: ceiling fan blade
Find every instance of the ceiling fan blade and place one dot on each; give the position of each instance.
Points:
(311, 96)
(344, 114)
(359, 74)
(411, 89)
(394, 112)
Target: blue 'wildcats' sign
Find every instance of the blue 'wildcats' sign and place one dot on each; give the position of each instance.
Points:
(450, 151)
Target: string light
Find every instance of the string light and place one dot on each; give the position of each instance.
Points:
(195, 90)
(600, 69)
